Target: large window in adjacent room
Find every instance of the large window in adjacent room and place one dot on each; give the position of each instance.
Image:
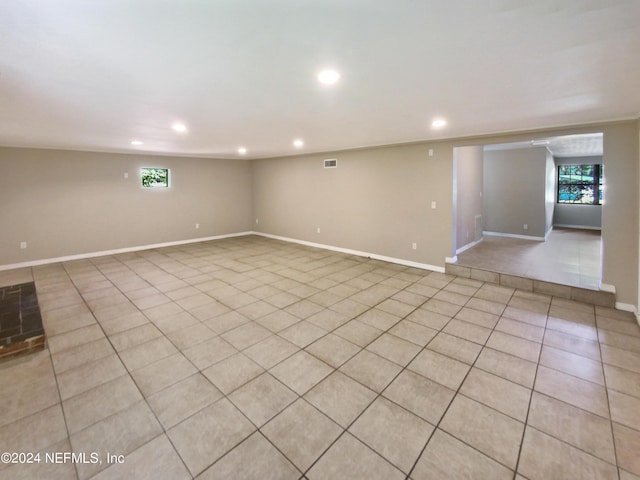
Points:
(580, 184)
(155, 177)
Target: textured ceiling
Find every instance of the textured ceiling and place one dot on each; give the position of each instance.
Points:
(98, 74)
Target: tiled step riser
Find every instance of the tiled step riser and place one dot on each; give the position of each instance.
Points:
(584, 295)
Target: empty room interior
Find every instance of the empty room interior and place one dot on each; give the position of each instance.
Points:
(319, 240)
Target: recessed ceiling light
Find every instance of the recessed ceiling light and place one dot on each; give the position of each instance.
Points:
(438, 123)
(242, 151)
(328, 77)
(136, 142)
(298, 143)
(179, 127)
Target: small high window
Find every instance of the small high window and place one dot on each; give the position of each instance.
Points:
(155, 177)
(581, 184)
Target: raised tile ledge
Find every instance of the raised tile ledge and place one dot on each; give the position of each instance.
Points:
(600, 298)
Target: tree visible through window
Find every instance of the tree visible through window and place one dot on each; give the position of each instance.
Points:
(155, 177)
(580, 184)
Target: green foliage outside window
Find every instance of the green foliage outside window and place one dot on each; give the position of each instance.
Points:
(155, 177)
(580, 184)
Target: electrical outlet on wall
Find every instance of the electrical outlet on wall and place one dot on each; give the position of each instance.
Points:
(23, 245)
(197, 226)
(414, 245)
(318, 230)
(525, 226)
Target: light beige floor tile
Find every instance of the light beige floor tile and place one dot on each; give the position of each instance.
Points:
(163, 373)
(177, 321)
(81, 354)
(301, 371)
(496, 392)
(546, 458)
(183, 399)
(393, 348)
(262, 398)
(622, 341)
(447, 458)
(572, 425)
(572, 364)
(81, 379)
(536, 319)
(341, 398)
(119, 434)
(621, 358)
(520, 329)
(43, 470)
(440, 368)
(572, 344)
(515, 369)
(580, 393)
(34, 432)
(147, 353)
(443, 308)
(625, 409)
(210, 351)
(100, 402)
(622, 380)
(358, 333)
(278, 320)
(339, 462)
(371, 370)
(413, 332)
(304, 308)
(393, 432)
(588, 332)
(209, 434)
(75, 338)
(333, 350)
(478, 317)
(190, 336)
(627, 446)
(271, 351)
(516, 346)
(135, 336)
(267, 464)
(232, 372)
(483, 306)
(226, 322)
(455, 347)
(418, 394)
(379, 319)
(428, 318)
(154, 460)
(485, 429)
(302, 333)
(302, 433)
(467, 331)
(328, 319)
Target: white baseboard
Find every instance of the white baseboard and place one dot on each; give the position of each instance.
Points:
(513, 235)
(605, 287)
(375, 256)
(82, 256)
(451, 259)
(466, 247)
(577, 227)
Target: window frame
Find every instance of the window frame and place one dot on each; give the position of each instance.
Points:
(597, 184)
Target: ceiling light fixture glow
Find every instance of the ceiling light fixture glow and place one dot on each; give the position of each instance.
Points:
(137, 142)
(328, 77)
(298, 143)
(242, 151)
(438, 123)
(179, 127)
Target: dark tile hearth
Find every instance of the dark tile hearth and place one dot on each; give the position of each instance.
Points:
(21, 327)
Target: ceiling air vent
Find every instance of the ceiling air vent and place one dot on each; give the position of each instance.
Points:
(331, 163)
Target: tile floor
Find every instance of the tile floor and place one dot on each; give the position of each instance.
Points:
(252, 358)
(569, 257)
